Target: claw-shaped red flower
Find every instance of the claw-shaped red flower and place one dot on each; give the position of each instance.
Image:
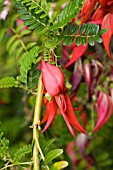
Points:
(53, 80)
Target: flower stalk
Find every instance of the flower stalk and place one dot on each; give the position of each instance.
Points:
(36, 124)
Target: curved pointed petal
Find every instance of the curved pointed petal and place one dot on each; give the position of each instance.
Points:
(76, 80)
(102, 108)
(109, 112)
(64, 115)
(87, 10)
(51, 112)
(71, 115)
(107, 23)
(46, 116)
(99, 14)
(77, 53)
(88, 76)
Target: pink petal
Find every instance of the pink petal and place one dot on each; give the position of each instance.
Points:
(102, 108)
(109, 111)
(111, 92)
(76, 79)
(88, 75)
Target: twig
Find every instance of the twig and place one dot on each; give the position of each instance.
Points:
(11, 165)
(36, 121)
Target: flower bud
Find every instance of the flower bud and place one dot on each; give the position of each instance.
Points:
(53, 79)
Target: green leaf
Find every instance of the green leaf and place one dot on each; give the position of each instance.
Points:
(21, 152)
(106, 163)
(48, 143)
(19, 28)
(26, 63)
(59, 165)
(4, 146)
(102, 31)
(78, 40)
(82, 29)
(43, 3)
(19, 51)
(83, 40)
(31, 14)
(14, 46)
(66, 15)
(52, 155)
(98, 39)
(68, 40)
(102, 156)
(91, 41)
(10, 41)
(24, 32)
(7, 82)
(30, 45)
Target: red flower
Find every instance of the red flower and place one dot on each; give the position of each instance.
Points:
(87, 10)
(103, 15)
(53, 80)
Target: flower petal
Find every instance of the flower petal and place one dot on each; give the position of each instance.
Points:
(109, 112)
(50, 114)
(103, 2)
(77, 53)
(58, 101)
(76, 79)
(87, 10)
(88, 76)
(102, 108)
(71, 115)
(108, 23)
(53, 78)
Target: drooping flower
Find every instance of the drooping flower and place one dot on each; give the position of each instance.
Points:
(5, 11)
(104, 109)
(81, 143)
(53, 80)
(88, 75)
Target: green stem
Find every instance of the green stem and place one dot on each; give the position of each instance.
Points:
(36, 123)
(22, 163)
